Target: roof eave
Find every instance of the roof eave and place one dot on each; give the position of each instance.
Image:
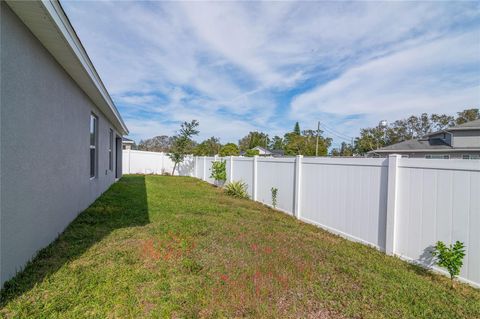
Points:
(428, 150)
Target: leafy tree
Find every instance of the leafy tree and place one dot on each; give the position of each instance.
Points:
(209, 147)
(467, 116)
(344, 150)
(229, 149)
(160, 143)
(296, 129)
(277, 143)
(252, 153)
(441, 122)
(305, 144)
(370, 139)
(252, 140)
(182, 142)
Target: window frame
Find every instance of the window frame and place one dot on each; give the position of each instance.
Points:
(110, 151)
(93, 122)
(470, 157)
(441, 156)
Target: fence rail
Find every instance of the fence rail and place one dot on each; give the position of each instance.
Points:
(401, 206)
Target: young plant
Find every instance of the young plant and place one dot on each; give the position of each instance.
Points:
(274, 196)
(182, 143)
(237, 189)
(219, 171)
(450, 257)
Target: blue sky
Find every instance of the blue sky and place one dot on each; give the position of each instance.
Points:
(238, 67)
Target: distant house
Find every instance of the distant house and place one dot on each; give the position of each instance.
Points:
(266, 152)
(262, 151)
(61, 134)
(127, 143)
(460, 142)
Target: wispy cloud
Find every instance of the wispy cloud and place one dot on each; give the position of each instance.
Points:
(240, 66)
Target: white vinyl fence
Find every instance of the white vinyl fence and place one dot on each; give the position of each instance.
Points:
(401, 206)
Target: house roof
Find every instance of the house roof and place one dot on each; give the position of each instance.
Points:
(471, 125)
(127, 140)
(262, 149)
(466, 126)
(47, 20)
(422, 145)
(415, 145)
(427, 144)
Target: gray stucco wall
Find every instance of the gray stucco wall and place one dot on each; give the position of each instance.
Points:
(44, 150)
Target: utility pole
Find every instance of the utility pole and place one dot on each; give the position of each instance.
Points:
(318, 133)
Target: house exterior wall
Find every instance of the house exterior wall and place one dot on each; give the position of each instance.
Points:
(452, 155)
(44, 150)
(466, 138)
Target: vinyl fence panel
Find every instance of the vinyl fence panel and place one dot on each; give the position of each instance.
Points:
(243, 171)
(141, 162)
(346, 196)
(439, 200)
(268, 176)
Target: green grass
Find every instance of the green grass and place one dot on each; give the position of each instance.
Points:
(156, 246)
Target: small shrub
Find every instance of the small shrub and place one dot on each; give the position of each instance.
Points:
(252, 153)
(274, 196)
(219, 171)
(237, 189)
(450, 257)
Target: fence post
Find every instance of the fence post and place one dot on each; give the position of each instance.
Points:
(204, 168)
(298, 183)
(254, 182)
(230, 178)
(162, 170)
(129, 161)
(392, 194)
(195, 167)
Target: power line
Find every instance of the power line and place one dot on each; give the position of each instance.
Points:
(336, 132)
(344, 137)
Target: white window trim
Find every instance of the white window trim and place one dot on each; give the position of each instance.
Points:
(95, 146)
(110, 150)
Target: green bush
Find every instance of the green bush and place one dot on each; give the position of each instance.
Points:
(237, 189)
(252, 153)
(219, 171)
(450, 257)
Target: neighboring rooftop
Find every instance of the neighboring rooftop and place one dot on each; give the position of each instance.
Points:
(466, 126)
(127, 140)
(471, 125)
(430, 143)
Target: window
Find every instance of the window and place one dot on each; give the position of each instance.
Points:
(437, 156)
(110, 151)
(93, 145)
(471, 156)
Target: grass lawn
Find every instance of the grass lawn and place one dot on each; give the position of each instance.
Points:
(155, 246)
